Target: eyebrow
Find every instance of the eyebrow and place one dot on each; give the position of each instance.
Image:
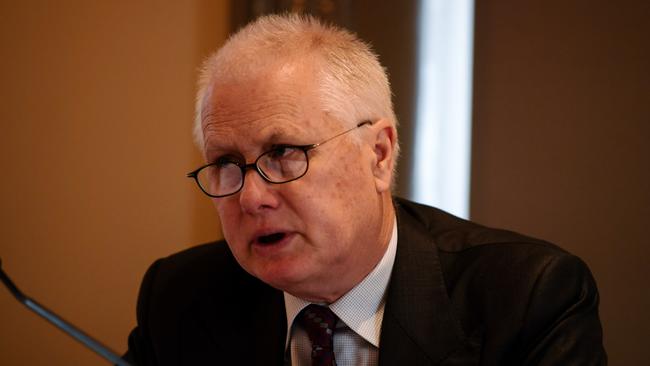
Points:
(278, 133)
(273, 136)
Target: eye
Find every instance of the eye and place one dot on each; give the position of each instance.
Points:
(281, 152)
(226, 160)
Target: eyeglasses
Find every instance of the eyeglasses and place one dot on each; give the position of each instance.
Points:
(281, 164)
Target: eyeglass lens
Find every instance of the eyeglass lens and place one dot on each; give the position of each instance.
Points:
(279, 165)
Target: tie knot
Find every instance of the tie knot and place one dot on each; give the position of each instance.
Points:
(319, 322)
(318, 319)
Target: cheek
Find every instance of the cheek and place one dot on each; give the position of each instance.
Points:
(337, 201)
(348, 177)
(353, 181)
(228, 213)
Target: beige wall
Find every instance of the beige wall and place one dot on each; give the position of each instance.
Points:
(96, 106)
(562, 142)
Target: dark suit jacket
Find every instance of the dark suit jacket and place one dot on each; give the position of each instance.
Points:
(460, 294)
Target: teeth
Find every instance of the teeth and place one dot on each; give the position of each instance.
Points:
(267, 239)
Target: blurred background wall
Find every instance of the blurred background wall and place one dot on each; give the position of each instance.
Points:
(562, 142)
(96, 108)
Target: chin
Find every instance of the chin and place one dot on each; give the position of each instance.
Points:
(281, 276)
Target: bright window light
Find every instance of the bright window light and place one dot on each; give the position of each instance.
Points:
(443, 110)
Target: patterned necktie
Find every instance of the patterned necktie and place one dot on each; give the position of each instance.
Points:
(319, 322)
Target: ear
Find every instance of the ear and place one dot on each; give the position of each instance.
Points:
(383, 145)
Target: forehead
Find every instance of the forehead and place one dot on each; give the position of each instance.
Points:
(281, 103)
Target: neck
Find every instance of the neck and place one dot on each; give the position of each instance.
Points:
(335, 290)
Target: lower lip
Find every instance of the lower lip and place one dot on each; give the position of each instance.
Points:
(272, 248)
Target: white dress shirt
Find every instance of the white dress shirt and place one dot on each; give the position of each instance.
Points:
(360, 312)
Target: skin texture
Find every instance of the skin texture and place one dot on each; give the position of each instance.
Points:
(336, 220)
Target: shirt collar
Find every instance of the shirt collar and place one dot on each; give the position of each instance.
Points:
(361, 308)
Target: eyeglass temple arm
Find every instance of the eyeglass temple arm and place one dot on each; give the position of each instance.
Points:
(366, 122)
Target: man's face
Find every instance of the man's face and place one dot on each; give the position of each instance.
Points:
(310, 236)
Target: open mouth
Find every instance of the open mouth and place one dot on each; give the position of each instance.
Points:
(271, 238)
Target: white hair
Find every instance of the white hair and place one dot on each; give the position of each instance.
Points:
(353, 85)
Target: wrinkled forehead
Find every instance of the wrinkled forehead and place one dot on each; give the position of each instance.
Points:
(274, 106)
(279, 88)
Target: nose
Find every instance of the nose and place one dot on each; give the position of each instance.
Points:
(256, 195)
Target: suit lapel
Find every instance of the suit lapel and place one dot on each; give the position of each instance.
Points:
(419, 325)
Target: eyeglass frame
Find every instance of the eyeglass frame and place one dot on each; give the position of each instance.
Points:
(254, 165)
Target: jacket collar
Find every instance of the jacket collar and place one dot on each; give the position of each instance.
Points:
(419, 321)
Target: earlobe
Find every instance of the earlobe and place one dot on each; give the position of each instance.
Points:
(383, 149)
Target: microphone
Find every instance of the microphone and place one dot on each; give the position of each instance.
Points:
(65, 326)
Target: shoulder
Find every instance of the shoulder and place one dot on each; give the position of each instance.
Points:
(465, 245)
(517, 291)
(201, 274)
(467, 250)
(190, 300)
(453, 234)
(192, 270)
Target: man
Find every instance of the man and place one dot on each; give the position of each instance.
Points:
(320, 265)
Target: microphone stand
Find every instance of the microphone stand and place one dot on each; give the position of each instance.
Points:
(65, 326)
